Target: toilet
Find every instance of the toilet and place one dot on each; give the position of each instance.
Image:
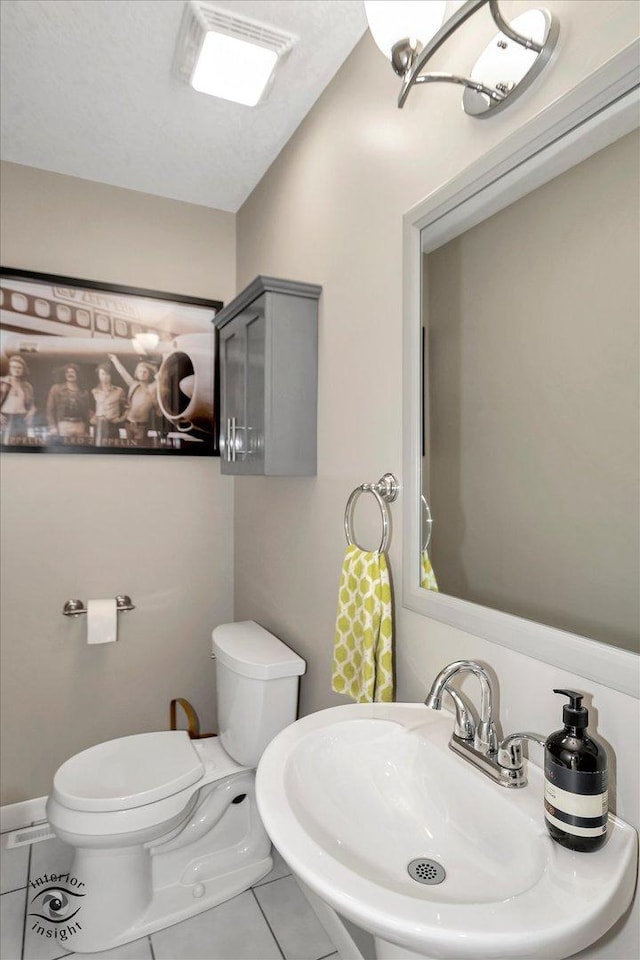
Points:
(164, 827)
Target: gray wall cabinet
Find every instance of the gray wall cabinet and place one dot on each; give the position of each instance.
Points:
(269, 379)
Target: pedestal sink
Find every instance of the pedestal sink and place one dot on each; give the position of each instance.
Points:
(399, 835)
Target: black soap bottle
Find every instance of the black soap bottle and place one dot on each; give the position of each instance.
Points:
(575, 781)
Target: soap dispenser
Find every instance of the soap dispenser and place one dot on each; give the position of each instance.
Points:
(575, 781)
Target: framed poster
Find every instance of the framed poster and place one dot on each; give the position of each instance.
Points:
(90, 367)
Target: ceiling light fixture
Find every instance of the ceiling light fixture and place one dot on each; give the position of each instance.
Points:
(227, 55)
(409, 33)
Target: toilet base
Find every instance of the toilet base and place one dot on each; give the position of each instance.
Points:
(133, 891)
(174, 904)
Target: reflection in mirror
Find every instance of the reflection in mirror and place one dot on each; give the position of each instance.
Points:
(531, 404)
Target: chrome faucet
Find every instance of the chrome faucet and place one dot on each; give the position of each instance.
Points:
(485, 738)
(502, 761)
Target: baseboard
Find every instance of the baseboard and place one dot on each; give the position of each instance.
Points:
(13, 816)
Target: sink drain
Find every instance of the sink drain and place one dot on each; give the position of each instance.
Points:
(426, 871)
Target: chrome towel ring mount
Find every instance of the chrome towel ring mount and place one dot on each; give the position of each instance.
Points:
(385, 491)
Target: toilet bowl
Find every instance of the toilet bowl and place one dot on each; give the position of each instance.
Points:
(164, 827)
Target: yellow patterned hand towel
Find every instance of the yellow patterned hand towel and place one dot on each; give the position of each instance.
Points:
(362, 653)
(427, 576)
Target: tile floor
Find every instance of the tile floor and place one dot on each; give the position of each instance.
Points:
(271, 921)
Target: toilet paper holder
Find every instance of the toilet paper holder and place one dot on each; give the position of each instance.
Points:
(74, 608)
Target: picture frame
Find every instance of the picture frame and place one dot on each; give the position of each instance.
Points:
(89, 367)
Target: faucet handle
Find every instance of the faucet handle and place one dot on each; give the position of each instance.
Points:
(510, 750)
(486, 739)
(465, 727)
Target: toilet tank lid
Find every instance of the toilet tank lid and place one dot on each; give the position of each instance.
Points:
(250, 650)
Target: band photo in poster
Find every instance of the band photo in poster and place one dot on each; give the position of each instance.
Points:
(89, 367)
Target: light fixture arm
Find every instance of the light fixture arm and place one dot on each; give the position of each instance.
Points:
(510, 73)
(433, 77)
(508, 30)
(448, 28)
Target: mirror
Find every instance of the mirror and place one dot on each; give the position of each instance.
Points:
(522, 423)
(531, 415)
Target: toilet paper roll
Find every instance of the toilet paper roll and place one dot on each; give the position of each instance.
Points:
(102, 621)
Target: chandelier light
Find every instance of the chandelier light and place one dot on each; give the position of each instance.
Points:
(409, 34)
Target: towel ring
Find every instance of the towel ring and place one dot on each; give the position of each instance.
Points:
(385, 491)
(428, 522)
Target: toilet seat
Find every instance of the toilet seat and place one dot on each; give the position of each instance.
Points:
(138, 824)
(129, 772)
(70, 787)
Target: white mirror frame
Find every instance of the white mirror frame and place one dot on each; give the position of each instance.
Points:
(603, 108)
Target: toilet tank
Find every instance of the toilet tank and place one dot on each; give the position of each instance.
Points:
(256, 687)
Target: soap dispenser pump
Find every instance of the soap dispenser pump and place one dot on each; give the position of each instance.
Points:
(575, 781)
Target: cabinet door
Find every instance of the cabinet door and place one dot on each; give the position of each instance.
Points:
(232, 392)
(242, 344)
(255, 392)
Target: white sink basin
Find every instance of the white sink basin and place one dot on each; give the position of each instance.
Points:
(353, 794)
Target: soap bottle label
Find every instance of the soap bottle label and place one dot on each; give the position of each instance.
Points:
(576, 802)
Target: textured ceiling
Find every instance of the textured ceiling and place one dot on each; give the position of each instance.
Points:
(88, 90)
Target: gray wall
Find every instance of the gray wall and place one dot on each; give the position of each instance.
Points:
(533, 382)
(94, 526)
